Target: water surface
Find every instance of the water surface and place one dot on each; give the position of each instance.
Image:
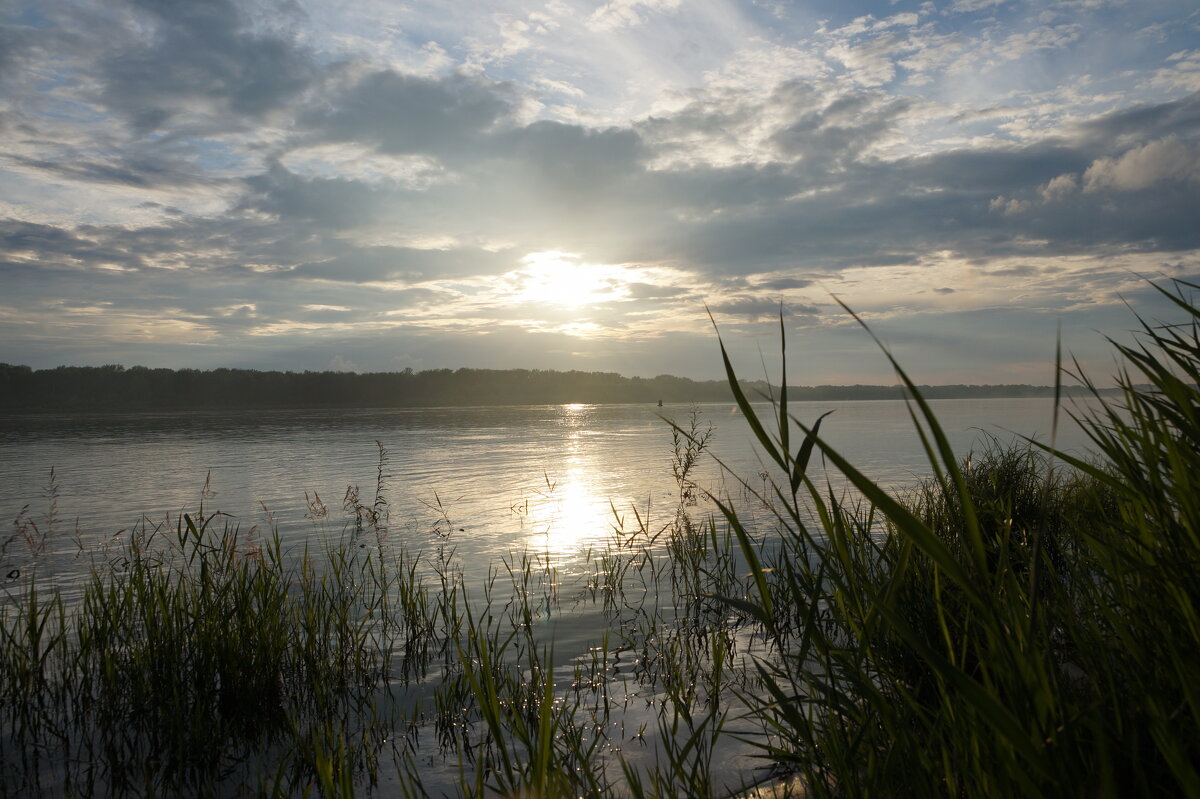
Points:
(488, 484)
(501, 474)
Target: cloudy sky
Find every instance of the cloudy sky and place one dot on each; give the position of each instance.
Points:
(375, 185)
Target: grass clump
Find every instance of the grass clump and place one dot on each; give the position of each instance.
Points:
(1010, 629)
(192, 665)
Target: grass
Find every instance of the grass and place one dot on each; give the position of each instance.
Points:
(1021, 623)
(1010, 629)
(190, 665)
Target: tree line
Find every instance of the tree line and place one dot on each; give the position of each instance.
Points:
(114, 387)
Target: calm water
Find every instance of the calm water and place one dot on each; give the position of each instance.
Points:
(549, 475)
(550, 478)
(553, 480)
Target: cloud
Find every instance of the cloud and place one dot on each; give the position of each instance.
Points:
(784, 283)
(401, 114)
(652, 291)
(757, 308)
(142, 170)
(243, 171)
(398, 264)
(336, 203)
(1059, 188)
(1144, 166)
(201, 60)
(14, 44)
(1141, 122)
(1008, 206)
(871, 63)
(1018, 270)
(627, 13)
(828, 130)
(567, 154)
(971, 6)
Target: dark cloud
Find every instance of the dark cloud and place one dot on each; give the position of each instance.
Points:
(784, 283)
(897, 212)
(339, 203)
(202, 53)
(15, 41)
(761, 308)
(982, 172)
(136, 170)
(1158, 219)
(720, 118)
(50, 247)
(590, 187)
(166, 209)
(571, 155)
(702, 189)
(1143, 122)
(365, 264)
(649, 291)
(401, 114)
(828, 133)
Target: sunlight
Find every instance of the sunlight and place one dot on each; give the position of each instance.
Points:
(574, 512)
(578, 513)
(558, 278)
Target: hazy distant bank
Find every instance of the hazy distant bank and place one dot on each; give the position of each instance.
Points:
(82, 388)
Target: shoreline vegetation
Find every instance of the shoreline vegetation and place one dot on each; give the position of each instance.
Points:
(1020, 623)
(138, 388)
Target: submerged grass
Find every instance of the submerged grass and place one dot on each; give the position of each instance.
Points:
(1020, 623)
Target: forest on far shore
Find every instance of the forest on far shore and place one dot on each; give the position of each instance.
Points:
(113, 387)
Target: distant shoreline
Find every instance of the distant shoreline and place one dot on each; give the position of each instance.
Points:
(138, 388)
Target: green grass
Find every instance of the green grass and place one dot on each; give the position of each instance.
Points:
(191, 663)
(1011, 629)
(1021, 623)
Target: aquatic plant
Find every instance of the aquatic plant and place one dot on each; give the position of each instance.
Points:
(1008, 630)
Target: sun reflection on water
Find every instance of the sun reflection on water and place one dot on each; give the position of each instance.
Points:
(576, 516)
(574, 507)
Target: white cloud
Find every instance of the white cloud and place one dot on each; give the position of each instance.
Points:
(870, 64)
(626, 13)
(1144, 166)
(1008, 206)
(971, 6)
(868, 23)
(1181, 74)
(1059, 188)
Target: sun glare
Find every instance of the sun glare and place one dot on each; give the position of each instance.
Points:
(558, 278)
(572, 510)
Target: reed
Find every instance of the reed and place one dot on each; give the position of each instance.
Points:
(1009, 629)
(193, 661)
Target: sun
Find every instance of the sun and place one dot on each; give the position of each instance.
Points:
(560, 279)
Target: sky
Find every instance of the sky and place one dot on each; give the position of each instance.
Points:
(576, 184)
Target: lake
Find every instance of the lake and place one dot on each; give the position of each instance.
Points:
(554, 480)
(504, 475)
